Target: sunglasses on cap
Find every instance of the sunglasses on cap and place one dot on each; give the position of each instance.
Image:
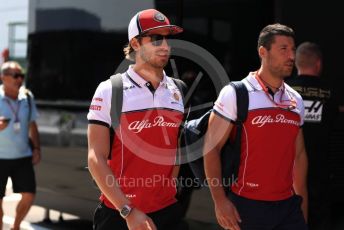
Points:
(15, 75)
(156, 39)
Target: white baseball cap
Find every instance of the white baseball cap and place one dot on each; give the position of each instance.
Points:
(150, 19)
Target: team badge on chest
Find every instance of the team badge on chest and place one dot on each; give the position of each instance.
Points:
(176, 96)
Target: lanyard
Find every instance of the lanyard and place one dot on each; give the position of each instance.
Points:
(292, 102)
(15, 110)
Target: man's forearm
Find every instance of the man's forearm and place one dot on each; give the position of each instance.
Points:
(106, 181)
(215, 138)
(300, 181)
(213, 170)
(300, 173)
(34, 135)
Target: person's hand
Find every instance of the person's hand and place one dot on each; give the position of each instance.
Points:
(3, 123)
(137, 220)
(227, 215)
(36, 156)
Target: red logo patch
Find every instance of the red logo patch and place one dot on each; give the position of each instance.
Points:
(98, 99)
(95, 107)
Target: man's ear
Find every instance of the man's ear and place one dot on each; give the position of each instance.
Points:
(261, 51)
(135, 44)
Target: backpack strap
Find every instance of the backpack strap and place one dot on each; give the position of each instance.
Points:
(242, 101)
(116, 106)
(183, 89)
(29, 102)
(181, 142)
(116, 99)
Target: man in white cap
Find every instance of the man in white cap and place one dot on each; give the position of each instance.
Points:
(136, 180)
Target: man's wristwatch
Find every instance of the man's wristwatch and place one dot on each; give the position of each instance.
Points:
(126, 210)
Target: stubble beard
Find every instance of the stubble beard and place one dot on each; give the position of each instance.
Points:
(149, 60)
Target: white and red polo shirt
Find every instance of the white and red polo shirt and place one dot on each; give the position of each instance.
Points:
(268, 139)
(144, 148)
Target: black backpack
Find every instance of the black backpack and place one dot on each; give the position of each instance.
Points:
(193, 135)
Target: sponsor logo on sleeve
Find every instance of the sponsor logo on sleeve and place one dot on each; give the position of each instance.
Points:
(95, 107)
(98, 99)
(219, 106)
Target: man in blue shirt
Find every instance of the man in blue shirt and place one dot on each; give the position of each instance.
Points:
(18, 113)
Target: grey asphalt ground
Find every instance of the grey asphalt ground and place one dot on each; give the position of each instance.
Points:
(199, 216)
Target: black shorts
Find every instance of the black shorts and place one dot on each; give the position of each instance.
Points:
(21, 173)
(169, 218)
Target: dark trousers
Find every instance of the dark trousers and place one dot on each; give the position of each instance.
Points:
(319, 211)
(169, 218)
(270, 215)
